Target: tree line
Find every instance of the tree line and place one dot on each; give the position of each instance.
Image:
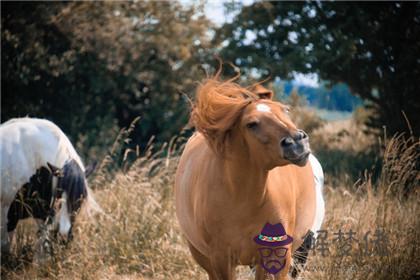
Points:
(92, 67)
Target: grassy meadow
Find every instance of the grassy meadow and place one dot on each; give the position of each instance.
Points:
(138, 236)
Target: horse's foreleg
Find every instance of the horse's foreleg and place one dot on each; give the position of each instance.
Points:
(224, 265)
(203, 261)
(260, 273)
(284, 273)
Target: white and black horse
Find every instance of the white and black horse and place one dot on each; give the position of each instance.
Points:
(42, 177)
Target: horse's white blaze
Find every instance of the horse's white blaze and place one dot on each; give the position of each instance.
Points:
(319, 185)
(263, 108)
(64, 223)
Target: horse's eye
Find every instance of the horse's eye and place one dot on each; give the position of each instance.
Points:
(287, 110)
(252, 125)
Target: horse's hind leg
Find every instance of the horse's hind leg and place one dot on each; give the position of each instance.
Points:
(301, 254)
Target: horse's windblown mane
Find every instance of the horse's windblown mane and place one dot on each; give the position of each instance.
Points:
(217, 106)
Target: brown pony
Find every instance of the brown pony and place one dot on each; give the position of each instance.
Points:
(246, 167)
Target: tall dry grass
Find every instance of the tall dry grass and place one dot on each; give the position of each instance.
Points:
(346, 151)
(391, 206)
(139, 237)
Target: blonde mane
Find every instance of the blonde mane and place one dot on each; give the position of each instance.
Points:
(218, 105)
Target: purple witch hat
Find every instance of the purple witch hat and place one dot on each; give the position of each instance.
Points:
(273, 236)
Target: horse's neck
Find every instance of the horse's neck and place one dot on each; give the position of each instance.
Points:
(245, 180)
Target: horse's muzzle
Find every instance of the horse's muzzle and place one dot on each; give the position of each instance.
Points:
(296, 148)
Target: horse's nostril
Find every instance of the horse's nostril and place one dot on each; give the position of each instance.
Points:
(300, 135)
(287, 141)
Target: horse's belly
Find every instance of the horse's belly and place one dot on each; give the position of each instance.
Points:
(9, 189)
(14, 174)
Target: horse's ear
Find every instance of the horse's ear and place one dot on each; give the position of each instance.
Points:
(90, 168)
(266, 95)
(262, 92)
(55, 171)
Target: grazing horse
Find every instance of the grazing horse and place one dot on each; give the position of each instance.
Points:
(246, 170)
(42, 177)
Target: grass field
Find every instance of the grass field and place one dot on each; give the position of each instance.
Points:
(138, 236)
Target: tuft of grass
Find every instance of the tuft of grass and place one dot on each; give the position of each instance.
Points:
(401, 165)
(138, 237)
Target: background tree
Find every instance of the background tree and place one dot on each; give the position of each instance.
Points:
(93, 67)
(373, 47)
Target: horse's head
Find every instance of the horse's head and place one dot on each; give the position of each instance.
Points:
(271, 137)
(64, 192)
(69, 190)
(231, 116)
